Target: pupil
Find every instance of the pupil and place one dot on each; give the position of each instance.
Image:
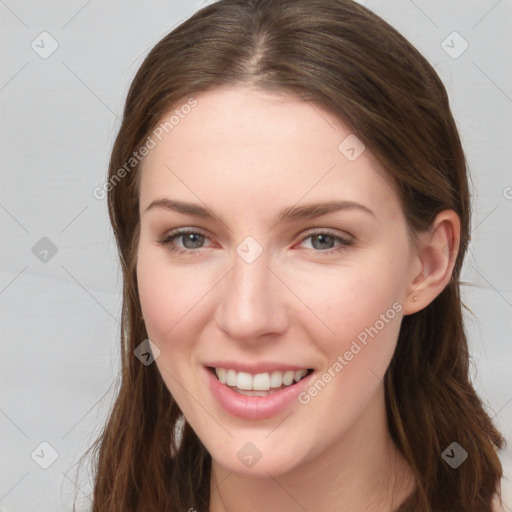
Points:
(324, 238)
(189, 237)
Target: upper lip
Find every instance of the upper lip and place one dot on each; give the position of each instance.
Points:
(255, 368)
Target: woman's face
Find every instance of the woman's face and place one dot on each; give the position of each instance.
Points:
(266, 284)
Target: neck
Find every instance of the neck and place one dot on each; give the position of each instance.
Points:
(363, 471)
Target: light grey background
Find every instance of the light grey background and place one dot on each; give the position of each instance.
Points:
(60, 115)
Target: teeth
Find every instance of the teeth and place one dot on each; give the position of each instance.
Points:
(276, 379)
(231, 377)
(259, 382)
(244, 380)
(288, 378)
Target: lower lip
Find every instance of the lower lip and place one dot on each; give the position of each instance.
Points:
(255, 407)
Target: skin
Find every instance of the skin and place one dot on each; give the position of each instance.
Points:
(246, 154)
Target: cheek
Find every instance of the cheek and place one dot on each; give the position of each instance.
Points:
(348, 299)
(364, 313)
(175, 305)
(360, 311)
(156, 298)
(167, 294)
(167, 298)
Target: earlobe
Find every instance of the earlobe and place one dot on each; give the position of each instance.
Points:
(435, 254)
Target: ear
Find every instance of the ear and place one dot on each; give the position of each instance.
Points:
(434, 257)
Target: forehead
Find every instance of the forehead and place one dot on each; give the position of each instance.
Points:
(245, 118)
(245, 146)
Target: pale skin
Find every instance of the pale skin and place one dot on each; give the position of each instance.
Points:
(245, 155)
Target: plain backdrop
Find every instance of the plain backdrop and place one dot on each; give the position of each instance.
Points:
(65, 71)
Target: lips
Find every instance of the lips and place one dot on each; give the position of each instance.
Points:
(256, 405)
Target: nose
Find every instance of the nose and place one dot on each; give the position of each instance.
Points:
(252, 301)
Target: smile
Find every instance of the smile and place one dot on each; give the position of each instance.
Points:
(242, 382)
(256, 396)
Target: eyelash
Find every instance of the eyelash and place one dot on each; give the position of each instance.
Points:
(168, 239)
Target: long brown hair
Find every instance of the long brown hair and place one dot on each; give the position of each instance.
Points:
(342, 57)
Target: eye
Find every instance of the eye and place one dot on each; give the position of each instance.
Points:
(322, 241)
(192, 241)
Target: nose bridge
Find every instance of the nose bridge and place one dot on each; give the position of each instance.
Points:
(251, 303)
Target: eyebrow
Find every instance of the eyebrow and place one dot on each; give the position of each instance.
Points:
(306, 211)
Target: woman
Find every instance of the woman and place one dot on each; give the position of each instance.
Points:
(289, 197)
